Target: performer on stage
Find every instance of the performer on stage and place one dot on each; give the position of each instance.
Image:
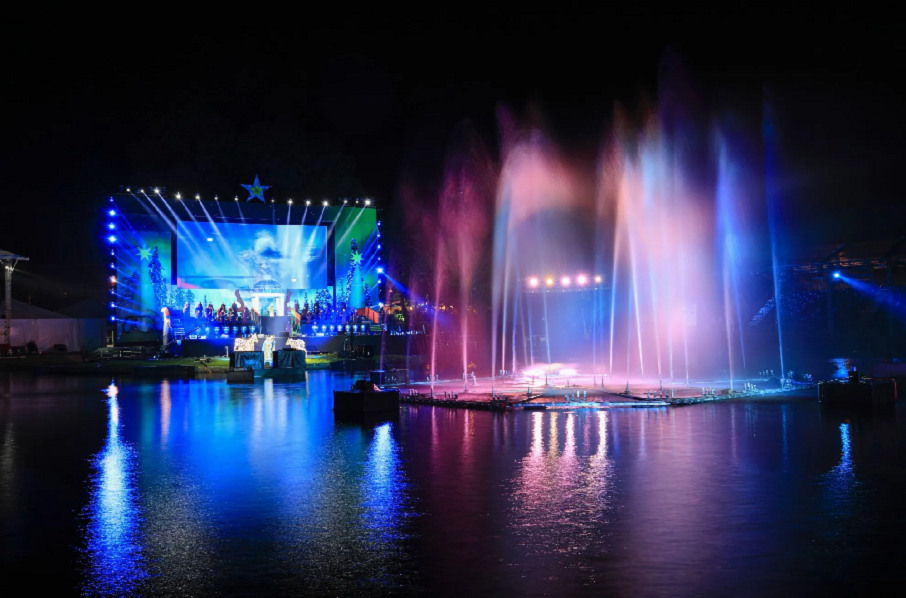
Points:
(209, 312)
(165, 311)
(199, 311)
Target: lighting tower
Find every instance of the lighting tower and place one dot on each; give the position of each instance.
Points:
(9, 264)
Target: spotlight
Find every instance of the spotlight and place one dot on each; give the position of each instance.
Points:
(581, 280)
(112, 266)
(380, 270)
(197, 196)
(113, 318)
(598, 278)
(111, 226)
(178, 196)
(113, 280)
(157, 190)
(367, 202)
(533, 281)
(236, 197)
(290, 202)
(549, 281)
(112, 239)
(565, 281)
(308, 202)
(324, 203)
(111, 213)
(113, 305)
(836, 274)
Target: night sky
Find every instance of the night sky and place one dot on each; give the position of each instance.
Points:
(353, 102)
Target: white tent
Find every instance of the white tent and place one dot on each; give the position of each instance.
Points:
(46, 328)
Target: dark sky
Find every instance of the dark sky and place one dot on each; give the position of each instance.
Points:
(350, 102)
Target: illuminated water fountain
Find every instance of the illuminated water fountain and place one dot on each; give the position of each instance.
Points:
(640, 277)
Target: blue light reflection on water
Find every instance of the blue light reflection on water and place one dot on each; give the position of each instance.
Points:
(203, 488)
(114, 542)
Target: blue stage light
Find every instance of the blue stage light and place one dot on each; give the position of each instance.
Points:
(112, 305)
(380, 270)
(112, 265)
(111, 226)
(836, 274)
(112, 239)
(111, 213)
(113, 318)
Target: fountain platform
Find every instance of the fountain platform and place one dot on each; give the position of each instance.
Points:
(512, 393)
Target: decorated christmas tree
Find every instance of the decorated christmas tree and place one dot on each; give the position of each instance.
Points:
(156, 275)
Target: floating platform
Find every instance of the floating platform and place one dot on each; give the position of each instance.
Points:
(857, 391)
(366, 399)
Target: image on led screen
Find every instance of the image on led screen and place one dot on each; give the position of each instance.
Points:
(251, 256)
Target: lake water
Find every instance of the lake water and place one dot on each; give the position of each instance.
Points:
(200, 488)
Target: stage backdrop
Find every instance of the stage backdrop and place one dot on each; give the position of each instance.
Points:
(273, 258)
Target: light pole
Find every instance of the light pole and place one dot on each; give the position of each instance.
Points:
(9, 264)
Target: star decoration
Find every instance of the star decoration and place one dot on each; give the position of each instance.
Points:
(256, 190)
(145, 253)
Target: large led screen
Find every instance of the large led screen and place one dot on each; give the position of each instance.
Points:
(251, 256)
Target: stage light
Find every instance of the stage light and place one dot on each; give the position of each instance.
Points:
(113, 280)
(378, 222)
(380, 304)
(598, 278)
(157, 190)
(216, 198)
(367, 202)
(112, 265)
(549, 281)
(111, 213)
(836, 274)
(290, 202)
(210, 239)
(112, 252)
(380, 270)
(236, 197)
(113, 305)
(112, 239)
(113, 318)
(178, 196)
(324, 203)
(128, 190)
(533, 281)
(379, 246)
(197, 196)
(308, 202)
(111, 226)
(344, 202)
(581, 279)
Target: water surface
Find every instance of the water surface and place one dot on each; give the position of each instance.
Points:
(188, 488)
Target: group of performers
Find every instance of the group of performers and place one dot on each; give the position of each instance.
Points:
(224, 315)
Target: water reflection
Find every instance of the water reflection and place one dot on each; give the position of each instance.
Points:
(562, 494)
(114, 545)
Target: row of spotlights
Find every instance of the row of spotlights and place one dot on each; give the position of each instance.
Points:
(565, 281)
(367, 202)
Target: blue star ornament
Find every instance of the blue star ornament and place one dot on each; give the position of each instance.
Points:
(256, 190)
